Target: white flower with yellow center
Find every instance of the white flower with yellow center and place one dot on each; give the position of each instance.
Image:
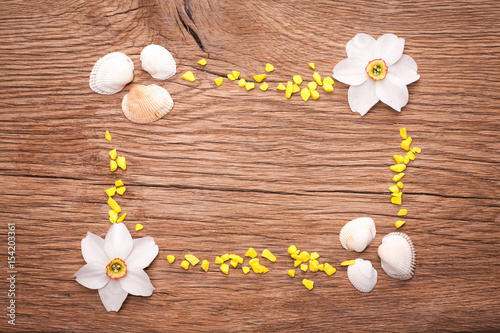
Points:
(376, 70)
(115, 265)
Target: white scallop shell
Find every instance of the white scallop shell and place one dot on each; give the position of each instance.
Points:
(362, 275)
(397, 256)
(357, 234)
(111, 73)
(157, 61)
(145, 104)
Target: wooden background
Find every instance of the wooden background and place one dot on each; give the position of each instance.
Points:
(228, 169)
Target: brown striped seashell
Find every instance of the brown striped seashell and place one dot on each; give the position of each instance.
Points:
(111, 73)
(145, 104)
(397, 256)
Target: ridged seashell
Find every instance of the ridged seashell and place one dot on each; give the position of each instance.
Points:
(111, 73)
(397, 256)
(157, 61)
(362, 275)
(357, 234)
(145, 104)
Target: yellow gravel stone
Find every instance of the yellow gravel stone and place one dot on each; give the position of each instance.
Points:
(121, 218)
(231, 77)
(245, 269)
(308, 284)
(113, 216)
(114, 205)
(122, 163)
(233, 263)
(291, 249)
(112, 165)
(251, 253)
(138, 227)
(205, 265)
(329, 269)
(235, 74)
(291, 272)
(405, 144)
(347, 263)
(398, 177)
(295, 88)
(305, 94)
(411, 155)
(403, 133)
(399, 223)
(202, 62)
(107, 136)
(268, 255)
(112, 154)
(218, 260)
(110, 191)
(315, 94)
(328, 87)
(312, 65)
(224, 268)
(304, 267)
(312, 85)
(189, 76)
(398, 167)
(402, 212)
(259, 78)
(121, 190)
(249, 86)
(185, 264)
(314, 255)
(328, 80)
(219, 81)
(297, 262)
(400, 184)
(297, 79)
(269, 67)
(281, 87)
(242, 83)
(398, 158)
(289, 89)
(119, 183)
(396, 200)
(317, 78)
(192, 259)
(264, 86)
(170, 258)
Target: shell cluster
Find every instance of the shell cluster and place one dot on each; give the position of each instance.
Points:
(362, 275)
(357, 234)
(143, 104)
(397, 256)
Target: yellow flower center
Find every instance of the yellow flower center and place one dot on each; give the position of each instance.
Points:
(376, 69)
(116, 269)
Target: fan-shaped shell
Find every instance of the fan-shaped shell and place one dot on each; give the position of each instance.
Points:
(157, 61)
(357, 234)
(362, 275)
(145, 104)
(111, 73)
(397, 256)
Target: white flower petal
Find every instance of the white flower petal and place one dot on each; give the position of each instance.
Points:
(361, 46)
(361, 98)
(92, 276)
(392, 92)
(137, 283)
(93, 250)
(143, 253)
(118, 242)
(113, 295)
(388, 47)
(405, 70)
(350, 71)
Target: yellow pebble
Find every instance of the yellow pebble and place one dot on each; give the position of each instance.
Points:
(113, 216)
(308, 284)
(107, 136)
(253, 262)
(250, 86)
(317, 78)
(268, 255)
(192, 259)
(399, 184)
(312, 65)
(315, 94)
(257, 269)
(305, 256)
(399, 223)
(416, 150)
(348, 263)
(297, 79)
(218, 260)
(403, 133)
(398, 167)
(225, 256)
(185, 264)
(328, 87)
(296, 252)
(289, 89)
(224, 268)
(264, 269)
(236, 258)
(245, 269)
(398, 158)
(218, 81)
(297, 262)
(264, 86)
(112, 154)
(397, 194)
(312, 85)
(242, 83)
(305, 94)
(304, 267)
(231, 77)
(251, 253)
(396, 200)
(291, 249)
(110, 191)
(138, 227)
(114, 205)
(411, 155)
(205, 264)
(233, 263)
(402, 212)
(170, 259)
(328, 80)
(295, 88)
(121, 218)
(259, 78)
(314, 255)
(121, 190)
(122, 163)
(189, 76)
(313, 266)
(394, 189)
(405, 144)
(119, 183)
(111, 220)
(331, 270)
(398, 177)
(112, 165)
(202, 62)
(291, 272)
(406, 159)
(281, 87)
(269, 67)
(235, 74)
(321, 267)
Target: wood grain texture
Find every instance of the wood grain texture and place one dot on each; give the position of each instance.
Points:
(229, 169)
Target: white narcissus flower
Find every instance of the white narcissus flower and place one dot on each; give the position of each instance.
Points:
(376, 70)
(115, 265)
